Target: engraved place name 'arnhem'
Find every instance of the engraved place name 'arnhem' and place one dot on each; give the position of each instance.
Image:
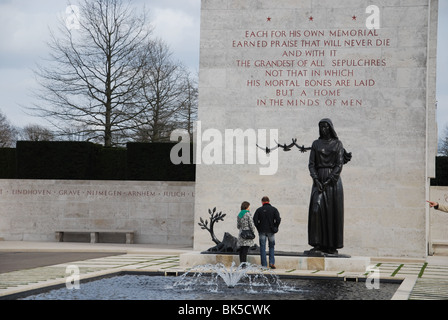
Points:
(306, 68)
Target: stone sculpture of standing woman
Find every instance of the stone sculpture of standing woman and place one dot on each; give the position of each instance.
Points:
(326, 211)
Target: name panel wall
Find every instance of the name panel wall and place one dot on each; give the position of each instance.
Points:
(159, 212)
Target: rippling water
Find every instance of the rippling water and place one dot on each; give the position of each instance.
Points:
(147, 287)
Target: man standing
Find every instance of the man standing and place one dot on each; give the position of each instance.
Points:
(266, 220)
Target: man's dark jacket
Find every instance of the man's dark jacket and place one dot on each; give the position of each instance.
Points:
(267, 219)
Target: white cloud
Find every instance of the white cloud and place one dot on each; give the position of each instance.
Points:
(15, 84)
(25, 31)
(23, 36)
(172, 24)
(180, 31)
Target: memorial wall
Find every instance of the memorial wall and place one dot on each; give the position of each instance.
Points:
(159, 212)
(270, 70)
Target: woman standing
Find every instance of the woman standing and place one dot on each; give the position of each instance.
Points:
(326, 211)
(245, 222)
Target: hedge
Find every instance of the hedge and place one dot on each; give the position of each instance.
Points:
(8, 163)
(441, 178)
(67, 160)
(54, 160)
(151, 161)
(109, 164)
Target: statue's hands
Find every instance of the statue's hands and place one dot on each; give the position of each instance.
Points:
(326, 184)
(319, 185)
(322, 186)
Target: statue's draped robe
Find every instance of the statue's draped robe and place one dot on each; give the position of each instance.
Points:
(326, 211)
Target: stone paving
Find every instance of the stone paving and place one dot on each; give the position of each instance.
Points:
(430, 279)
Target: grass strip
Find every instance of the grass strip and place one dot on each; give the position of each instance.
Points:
(397, 270)
(422, 270)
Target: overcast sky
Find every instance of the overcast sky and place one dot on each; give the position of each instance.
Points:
(24, 31)
(25, 28)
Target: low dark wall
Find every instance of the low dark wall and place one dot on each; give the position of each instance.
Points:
(66, 160)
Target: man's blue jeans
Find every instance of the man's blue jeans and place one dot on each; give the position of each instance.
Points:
(271, 241)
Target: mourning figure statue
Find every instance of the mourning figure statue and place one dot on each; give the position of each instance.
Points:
(326, 210)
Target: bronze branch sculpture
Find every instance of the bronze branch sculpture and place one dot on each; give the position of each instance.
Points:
(214, 218)
(285, 147)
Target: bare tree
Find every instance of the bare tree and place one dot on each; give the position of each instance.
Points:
(166, 92)
(36, 132)
(8, 134)
(189, 110)
(95, 71)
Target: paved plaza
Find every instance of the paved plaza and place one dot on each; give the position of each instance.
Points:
(44, 264)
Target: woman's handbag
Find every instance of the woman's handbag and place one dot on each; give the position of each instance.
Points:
(247, 234)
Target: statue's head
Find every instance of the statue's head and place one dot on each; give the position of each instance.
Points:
(326, 129)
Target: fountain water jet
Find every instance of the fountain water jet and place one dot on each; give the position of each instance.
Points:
(232, 276)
